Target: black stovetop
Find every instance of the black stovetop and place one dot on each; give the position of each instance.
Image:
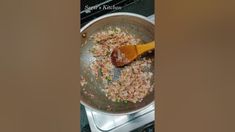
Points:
(142, 7)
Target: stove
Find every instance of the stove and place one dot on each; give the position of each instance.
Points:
(136, 122)
(100, 122)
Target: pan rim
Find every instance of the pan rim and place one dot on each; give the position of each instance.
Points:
(115, 14)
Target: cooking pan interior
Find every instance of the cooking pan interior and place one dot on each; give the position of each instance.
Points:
(92, 95)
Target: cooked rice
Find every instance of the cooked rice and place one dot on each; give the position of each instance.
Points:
(83, 81)
(134, 82)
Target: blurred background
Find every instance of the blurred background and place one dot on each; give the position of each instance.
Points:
(39, 67)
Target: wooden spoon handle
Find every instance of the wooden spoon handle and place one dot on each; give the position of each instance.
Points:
(145, 47)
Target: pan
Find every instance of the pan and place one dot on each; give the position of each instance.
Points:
(92, 94)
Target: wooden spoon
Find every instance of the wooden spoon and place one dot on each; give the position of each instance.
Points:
(126, 54)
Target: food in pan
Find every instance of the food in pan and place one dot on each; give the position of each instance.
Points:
(83, 81)
(133, 83)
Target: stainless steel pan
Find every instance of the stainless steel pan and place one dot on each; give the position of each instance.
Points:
(92, 95)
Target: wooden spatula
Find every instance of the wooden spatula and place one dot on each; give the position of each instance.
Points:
(126, 54)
